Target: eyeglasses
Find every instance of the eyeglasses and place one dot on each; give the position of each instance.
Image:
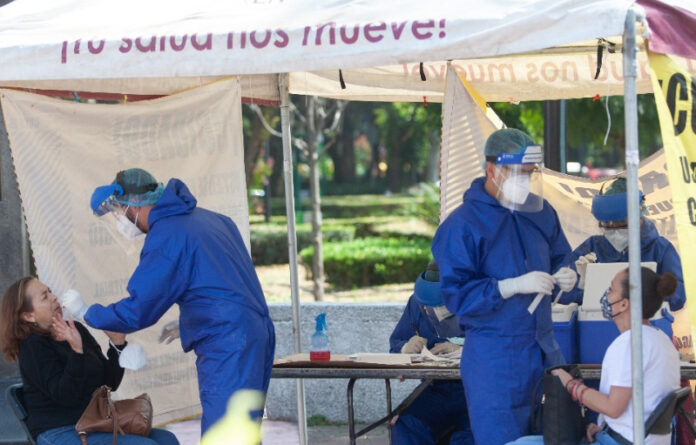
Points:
(612, 225)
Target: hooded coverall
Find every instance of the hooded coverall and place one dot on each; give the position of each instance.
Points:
(197, 259)
(506, 348)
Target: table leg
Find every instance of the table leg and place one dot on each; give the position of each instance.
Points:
(351, 419)
(387, 384)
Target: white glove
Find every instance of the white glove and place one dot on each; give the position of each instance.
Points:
(445, 348)
(170, 332)
(566, 278)
(535, 282)
(414, 345)
(581, 266)
(72, 302)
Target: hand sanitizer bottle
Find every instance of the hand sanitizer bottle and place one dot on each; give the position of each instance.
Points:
(320, 341)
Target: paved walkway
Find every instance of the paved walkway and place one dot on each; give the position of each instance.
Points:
(276, 432)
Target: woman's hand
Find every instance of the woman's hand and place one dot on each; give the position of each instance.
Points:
(67, 332)
(116, 338)
(563, 375)
(592, 430)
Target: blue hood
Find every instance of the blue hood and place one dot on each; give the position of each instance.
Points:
(176, 200)
(477, 192)
(427, 293)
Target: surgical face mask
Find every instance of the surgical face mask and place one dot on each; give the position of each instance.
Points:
(516, 189)
(606, 306)
(618, 238)
(128, 229)
(132, 357)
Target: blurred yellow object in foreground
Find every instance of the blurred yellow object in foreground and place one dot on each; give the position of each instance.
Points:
(237, 426)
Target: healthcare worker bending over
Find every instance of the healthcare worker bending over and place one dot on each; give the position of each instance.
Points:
(195, 258)
(610, 209)
(440, 410)
(499, 250)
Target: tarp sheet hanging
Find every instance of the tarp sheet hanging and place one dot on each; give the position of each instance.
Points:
(676, 109)
(62, 150)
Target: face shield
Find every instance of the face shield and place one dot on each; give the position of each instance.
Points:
(518, 179)
(443, 321)
(113, 217)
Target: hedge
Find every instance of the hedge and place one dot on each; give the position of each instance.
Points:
(372, 261)
(269, 242)
(366, 226)
(354, 206)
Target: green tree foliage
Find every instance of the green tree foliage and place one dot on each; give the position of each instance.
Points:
(404, 130)
(588, 123)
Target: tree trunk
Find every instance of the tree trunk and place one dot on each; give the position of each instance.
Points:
(432, 169)
(252, 149)
(313, 159)
(343, 155)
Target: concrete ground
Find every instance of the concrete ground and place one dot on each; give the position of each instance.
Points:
(277, 432)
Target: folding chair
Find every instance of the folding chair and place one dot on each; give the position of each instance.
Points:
(15, 399)
(660, 421)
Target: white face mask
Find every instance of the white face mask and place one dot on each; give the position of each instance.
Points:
(132, 357)
(516, 189)
(128, 229)
(618, 238)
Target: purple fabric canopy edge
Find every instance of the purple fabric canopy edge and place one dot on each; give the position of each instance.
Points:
(673, 28)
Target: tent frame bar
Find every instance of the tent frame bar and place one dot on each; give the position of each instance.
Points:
(634, 269)
(283, 84)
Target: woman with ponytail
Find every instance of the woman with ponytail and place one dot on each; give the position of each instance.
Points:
(660, 365)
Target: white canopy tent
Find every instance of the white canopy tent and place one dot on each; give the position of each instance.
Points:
(508, 50)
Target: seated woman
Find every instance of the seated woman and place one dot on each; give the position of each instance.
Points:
(61, 365)
(660, 364)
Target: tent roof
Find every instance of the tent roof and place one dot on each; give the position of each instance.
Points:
(160, 47)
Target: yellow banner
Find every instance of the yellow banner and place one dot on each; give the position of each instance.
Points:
(674, 90)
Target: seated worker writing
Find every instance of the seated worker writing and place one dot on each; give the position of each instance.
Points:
(440, 409)
(61, 365)
(660, 365)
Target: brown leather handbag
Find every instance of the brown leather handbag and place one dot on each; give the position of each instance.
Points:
(128, 416)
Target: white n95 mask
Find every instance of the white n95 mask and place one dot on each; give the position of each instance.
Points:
(127, 228)
(618, 238)
(516, 189)
(132, 357)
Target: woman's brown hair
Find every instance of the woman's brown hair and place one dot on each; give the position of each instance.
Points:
(14, 330)
(655, 289)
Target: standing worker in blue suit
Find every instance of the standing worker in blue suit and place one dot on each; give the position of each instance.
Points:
(195, 258)
(610, 209)
(501, 254)
(440, 410)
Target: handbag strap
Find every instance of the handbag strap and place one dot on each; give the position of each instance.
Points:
(114, 417)
(533, 416)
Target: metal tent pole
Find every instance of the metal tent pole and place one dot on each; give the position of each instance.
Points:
(632, 160)
(292, 245)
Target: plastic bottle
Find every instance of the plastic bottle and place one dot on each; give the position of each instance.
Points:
(320, 341)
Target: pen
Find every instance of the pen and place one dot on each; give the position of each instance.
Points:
(415, 329)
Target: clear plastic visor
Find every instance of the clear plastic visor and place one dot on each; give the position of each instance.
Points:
(520, 187)
(444, 322)
(111, 220)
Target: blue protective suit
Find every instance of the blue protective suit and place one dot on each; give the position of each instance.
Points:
(653, 247)
(196, 258)
(441, 407)
(506, 348)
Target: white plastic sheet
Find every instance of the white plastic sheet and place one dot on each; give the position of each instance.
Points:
(62, 150)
